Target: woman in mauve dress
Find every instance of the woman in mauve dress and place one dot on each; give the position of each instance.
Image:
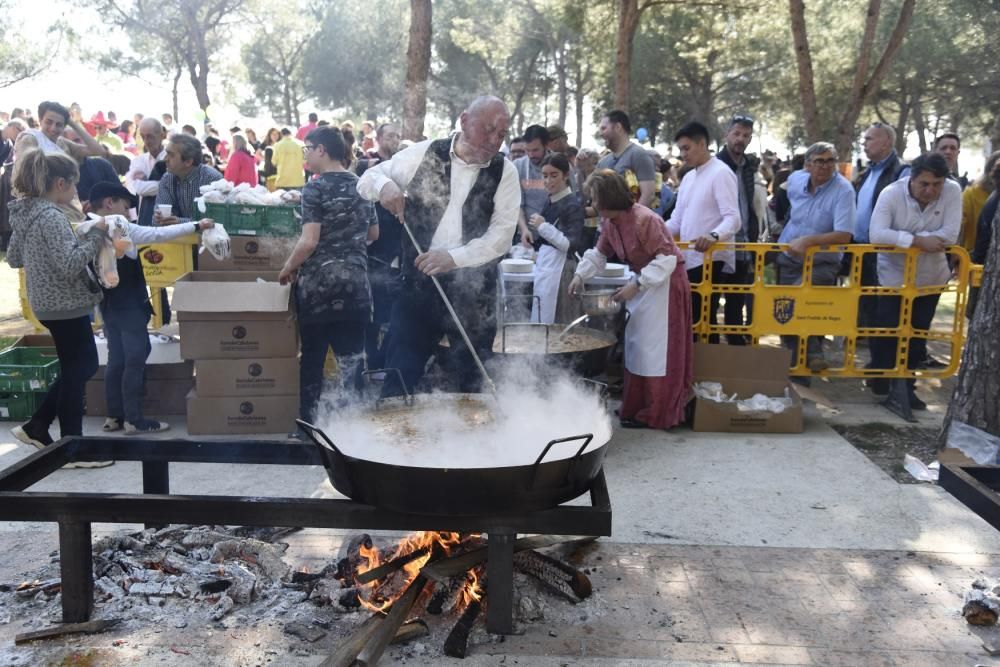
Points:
(658, 347)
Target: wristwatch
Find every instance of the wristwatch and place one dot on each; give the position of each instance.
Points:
(714, 235)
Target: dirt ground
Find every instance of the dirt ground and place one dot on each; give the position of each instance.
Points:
(886, 445)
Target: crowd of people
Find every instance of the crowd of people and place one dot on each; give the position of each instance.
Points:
(364, 288)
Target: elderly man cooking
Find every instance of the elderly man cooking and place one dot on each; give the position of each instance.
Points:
(460, 198)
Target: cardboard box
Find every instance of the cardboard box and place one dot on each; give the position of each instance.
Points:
(745, 371)
(230, 315)
(250, 253)
(247, 377)
(230, 292)
(182, 370)
(34, 340)
(238, 336)
(241, 415)
(162, 397)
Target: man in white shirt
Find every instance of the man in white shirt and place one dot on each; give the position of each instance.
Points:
(140, 179)
(707, 213)
(923, 211)
(460, 199)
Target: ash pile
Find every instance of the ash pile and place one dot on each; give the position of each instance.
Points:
(423, 596)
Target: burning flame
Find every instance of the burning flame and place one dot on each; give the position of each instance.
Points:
(472, 591)
(430, 543)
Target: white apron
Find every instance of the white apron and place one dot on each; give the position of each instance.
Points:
(646, 332)
(548, 274)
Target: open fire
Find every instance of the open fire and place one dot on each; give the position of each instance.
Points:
(403, 565)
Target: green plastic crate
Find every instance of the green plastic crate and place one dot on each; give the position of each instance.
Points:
(282, 220)
(218, 212)
(24, 369)
(246, 220)
(19, 406)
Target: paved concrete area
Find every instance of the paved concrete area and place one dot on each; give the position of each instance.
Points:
(785, 550)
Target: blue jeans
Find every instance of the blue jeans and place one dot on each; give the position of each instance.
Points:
(128, 348)
(77, 353)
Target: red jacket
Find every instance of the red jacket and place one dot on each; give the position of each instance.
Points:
(242, 168)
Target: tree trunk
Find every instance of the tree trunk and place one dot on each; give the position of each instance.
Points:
(956, 121)
(178, 73)
(862, 90)
(563, 88)
(903, 121)
(975, 399)
(418, 67)
(628, 23)
(919, 124)
(286, 93)
(807, 80)
(578, 110)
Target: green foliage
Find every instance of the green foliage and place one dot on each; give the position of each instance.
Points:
(22, 58)
(272, 58)
(357, 58)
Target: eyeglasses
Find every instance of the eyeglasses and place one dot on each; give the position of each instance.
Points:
(307, 148)
(824, 162)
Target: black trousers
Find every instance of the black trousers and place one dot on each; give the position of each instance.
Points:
(347, 340)
(887, 315)
(868, 304)
(77, 353)
(420, 320)
(738, 310)
(718, 277)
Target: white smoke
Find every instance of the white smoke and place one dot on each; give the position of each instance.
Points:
(534, 405)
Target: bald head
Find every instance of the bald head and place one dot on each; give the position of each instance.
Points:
(153, 134)
(484, 128)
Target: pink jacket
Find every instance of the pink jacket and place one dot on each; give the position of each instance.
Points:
(242, 168)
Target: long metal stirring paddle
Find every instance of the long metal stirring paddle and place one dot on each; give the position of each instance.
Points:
(454, 316)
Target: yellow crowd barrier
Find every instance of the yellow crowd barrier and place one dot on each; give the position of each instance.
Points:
(817, 310)
(162, 264)
(777, 310)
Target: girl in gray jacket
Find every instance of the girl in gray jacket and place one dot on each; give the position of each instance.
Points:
(61, 292)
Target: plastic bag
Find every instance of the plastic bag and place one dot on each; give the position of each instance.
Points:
(216, 241)
(978, 445)
(105, 265)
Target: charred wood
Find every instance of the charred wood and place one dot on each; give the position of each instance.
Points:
(350, 557)
(89, 627)
(446, 595)
(389, 567)
(456, 645)
(348, 649)
(412, 629)
(554, 574)
(382, 636)
(446, 568)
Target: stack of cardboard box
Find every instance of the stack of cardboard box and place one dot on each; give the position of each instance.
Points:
(239, 329)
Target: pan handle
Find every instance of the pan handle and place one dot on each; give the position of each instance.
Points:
(586, 437)
(323, 442)
(600, 387)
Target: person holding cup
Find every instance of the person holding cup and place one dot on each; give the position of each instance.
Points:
(182, 183)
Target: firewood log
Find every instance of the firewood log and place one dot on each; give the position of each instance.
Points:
(554, 574)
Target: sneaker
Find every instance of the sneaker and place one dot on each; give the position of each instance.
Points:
(32, 434)
(817, 364)
(112, 424)
(89, 464)
(916, 403)
(146, 426)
